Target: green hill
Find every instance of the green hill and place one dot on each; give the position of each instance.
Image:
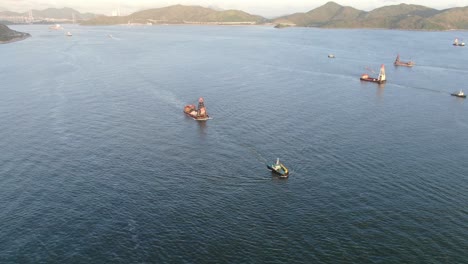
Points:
(453, 18)
(323, 16)
(52, 13)
(402, 16)
(62, 13)
(179, 14)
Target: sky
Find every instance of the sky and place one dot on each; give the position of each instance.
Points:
(266, 8)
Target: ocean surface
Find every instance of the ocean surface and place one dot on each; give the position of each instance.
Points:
(98, 163)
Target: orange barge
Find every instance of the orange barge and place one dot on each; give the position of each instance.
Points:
(398, 62)
(380, 79)
(199, 114)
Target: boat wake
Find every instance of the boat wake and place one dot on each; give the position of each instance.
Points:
(168, 97)
(112, 37)
(420, 88)
(159, 92)
(254, 151)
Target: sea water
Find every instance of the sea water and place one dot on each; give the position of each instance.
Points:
(98, 163)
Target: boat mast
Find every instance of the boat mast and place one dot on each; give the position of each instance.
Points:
(382, 73)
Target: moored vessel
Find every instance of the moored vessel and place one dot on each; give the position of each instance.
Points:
(56, 27)
(279, 169)
(380, 79)
(398, 62)
(199, 113)
(459, 94)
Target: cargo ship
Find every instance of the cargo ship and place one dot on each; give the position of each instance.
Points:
(279, 168)
(380, 79)
(398, 62)
(199, 114)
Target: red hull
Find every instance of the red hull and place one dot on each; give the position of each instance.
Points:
(199, 114)
(198, 118)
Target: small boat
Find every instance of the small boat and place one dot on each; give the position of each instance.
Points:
(69, 34)
(199, 114)
(459, 94)
(457, 43)
(331, 56)
(380, 79)
(279, 168)
(398, 62)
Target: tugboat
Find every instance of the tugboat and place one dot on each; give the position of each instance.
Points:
(380, 79)
(456, 43)
(199, 114)
(279, 168)
(398, 62)
(459, 94)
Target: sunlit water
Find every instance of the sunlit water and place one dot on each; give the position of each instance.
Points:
(98, 163)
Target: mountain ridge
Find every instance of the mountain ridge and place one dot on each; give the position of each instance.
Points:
(401, 16)
(329, 15)
(64, 13)
(180, 14)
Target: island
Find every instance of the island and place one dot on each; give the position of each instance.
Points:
(330, 15)
(8, 35)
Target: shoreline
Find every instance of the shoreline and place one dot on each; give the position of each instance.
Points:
(15, 39)
(259, 25)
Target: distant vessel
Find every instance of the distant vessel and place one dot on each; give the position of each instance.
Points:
(279, 168)
(398, 62)
(331, 56)
(56, 27)
(69, 34)
(457, 43)
(459, 94)
(380, 79)
(199, 114)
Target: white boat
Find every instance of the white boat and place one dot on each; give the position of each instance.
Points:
(69, 34)
(56, 27)
(458, 43)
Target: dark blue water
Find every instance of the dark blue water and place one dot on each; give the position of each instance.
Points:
(98, 164)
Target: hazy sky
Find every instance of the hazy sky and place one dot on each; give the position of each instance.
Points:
(267, 8)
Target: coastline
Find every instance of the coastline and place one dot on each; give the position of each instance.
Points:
(15, 39)
(270, 24)
(8, 35)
